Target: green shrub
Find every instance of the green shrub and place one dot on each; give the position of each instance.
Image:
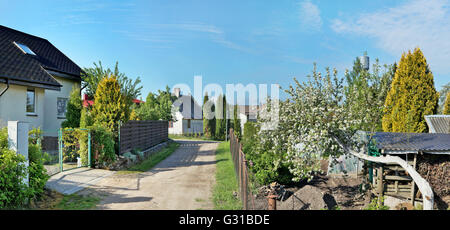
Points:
(377, 204)
(250, 132)
(35, 136)
(86, 119)
(71, 139)
(74, 107)
(266, 166)
(4, 138)
(102, 146)
(14, 192)
(37, 173)
(103, 143)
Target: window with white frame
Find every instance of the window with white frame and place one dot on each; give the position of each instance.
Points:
(61, 106)
(31, 101)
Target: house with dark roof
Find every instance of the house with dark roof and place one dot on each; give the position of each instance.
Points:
(35, 81)
(188, 115)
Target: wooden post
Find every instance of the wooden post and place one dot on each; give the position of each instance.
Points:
(413, 185)
(380, 184)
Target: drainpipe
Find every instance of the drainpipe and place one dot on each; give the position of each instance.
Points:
(7, 87)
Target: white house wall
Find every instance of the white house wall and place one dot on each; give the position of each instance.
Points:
(243, 120)
(52, 122)
(13, 106)
(177, 125)
(196, 126)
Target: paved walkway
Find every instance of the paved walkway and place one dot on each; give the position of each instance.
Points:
(74, 180)
(184, 180)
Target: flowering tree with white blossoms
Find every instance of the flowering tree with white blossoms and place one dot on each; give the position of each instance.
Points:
(315, 121)
(309, 119)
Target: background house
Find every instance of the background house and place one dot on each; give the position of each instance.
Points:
(247, 113)
(188, 118)
(35, 81)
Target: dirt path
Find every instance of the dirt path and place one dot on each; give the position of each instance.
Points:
(184, 180)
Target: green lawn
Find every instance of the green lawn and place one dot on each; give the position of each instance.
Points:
(52, 200)
(226, 182)
(77, 202)
(153, 160)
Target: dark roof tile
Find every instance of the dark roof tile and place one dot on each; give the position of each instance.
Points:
(16, 65)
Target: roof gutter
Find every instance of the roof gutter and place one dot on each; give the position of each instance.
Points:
(5, 89)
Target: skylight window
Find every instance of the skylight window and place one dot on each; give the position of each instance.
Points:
(24, 48)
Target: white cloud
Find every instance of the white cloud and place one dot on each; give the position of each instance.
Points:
(310, 16)
(163, 34)
(416, 23)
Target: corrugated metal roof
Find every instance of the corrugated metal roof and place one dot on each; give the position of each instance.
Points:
(438, 123)
(426, 142)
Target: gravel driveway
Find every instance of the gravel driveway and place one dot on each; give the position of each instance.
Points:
(184, 180)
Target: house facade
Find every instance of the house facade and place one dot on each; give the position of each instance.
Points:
(35, 81)
(188, 117)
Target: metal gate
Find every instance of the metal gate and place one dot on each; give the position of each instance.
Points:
(74, 147)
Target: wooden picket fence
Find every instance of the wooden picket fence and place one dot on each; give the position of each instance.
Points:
(242, 172)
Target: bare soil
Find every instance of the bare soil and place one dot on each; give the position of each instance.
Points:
(342, 193)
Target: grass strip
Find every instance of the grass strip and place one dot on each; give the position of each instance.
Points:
(152, 160)
(78, 202)
(226, 183)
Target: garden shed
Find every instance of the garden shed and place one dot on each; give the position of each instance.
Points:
(427, 153)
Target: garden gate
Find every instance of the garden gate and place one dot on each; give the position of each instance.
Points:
(74, 147)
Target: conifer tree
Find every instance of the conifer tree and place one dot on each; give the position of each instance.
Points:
(110, 105)
(206, 122)
(412, 95)
(236, 123)
(221, 116)
(74, 107)
(447, 105)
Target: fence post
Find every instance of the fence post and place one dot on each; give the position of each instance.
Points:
(18, 140)
(60, 146)
(120, 124)
(89, 149)
(272, 201)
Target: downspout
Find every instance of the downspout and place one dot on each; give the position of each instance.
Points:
(7, 87)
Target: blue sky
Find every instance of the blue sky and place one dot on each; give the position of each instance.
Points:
(230, 42)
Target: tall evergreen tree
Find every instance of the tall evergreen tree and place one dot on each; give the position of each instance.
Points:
(209, 117)
(443, 96)
(447, 105)
(221, 117)
(110, 105)
(237, 123)
(74, 107)
(206, 116)
(412, 95)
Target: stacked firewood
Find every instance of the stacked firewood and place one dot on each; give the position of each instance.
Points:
(436, 170)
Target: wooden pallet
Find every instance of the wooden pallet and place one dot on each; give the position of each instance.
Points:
(393, 180)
